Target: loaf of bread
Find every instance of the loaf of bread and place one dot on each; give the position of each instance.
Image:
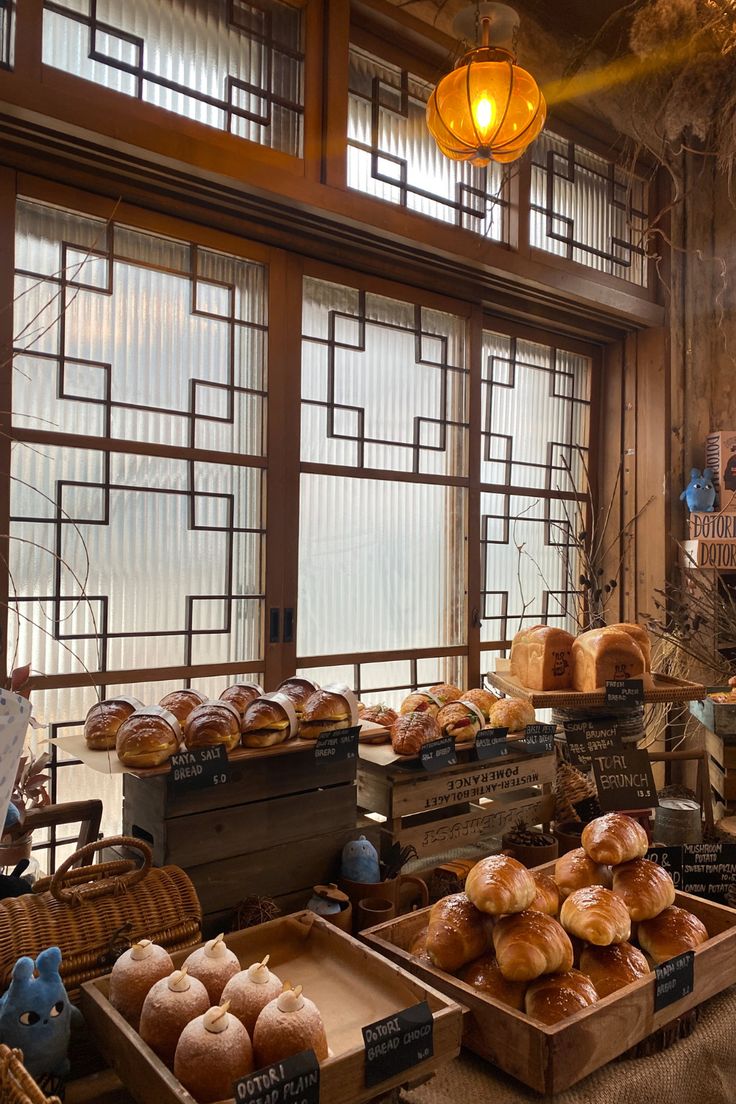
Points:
(640, 636)
(457, 932)
(645, 888)
(298, 691)
(213, 1051)
(463, 721)
(182, 702)
(612, 967)
(512, 713)
(170, 1005)
(148, 738)
(500, 884)
(241, 694)
(574, 870)
(286, 1026)
(601, 655)
(445, 692)
(671, 933)
(411, 731)
(215, 722)
(105, 718)
(485, 975)
(541, 658)
(614, 838)
(420, 702)
(554, 998)
(418, 947)
(548, 897)
(530, 944)
(483, 699)
(596, 915)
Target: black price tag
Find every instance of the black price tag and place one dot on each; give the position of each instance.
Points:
(397, 1043)
(669, 857)
(539, 739)
(600, 739)
(335, 747)
(438, 754)
(624, 780)
(293, 1080)
(199, 768)
(625, 692)
(709, 869)
(674, 980)
(491, 743)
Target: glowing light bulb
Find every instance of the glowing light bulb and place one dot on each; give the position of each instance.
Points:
(483, 112)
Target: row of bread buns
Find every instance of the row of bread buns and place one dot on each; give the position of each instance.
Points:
(503, 934)
(212, 1022)
(547, 658)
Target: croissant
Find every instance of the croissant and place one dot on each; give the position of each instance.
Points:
(597, 916)
(485, 975)
(671, 933)
(548, 897)
(614, 838)
(500, 884)
(554, 998)
(457, 932)
(574, 870)
(530, 944)
(418, 948)
(612, 967)
(645, 888)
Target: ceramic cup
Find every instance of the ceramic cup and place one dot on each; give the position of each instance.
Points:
(372, 911)
(404, 891)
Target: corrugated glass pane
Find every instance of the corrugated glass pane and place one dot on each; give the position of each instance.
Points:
(588, 209)
(535, 415)
(384, 383)
(381, 565)
(392, 155)
(230, 64)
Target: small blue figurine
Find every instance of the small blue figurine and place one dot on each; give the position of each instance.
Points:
(700, 493)
(35, 1015)
(360, 862)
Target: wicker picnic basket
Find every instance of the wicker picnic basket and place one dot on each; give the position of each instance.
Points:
(16, 1084)
(95, 912)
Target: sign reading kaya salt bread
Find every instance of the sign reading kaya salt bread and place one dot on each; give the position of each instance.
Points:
(199, 768)
(397, 1043)
(624, 780)
(293, 1080)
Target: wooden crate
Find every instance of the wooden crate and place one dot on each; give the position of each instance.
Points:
(716, 716)
(551, 1059)
(435, 812)
(275, 829)
(666, 689)
(351, 985)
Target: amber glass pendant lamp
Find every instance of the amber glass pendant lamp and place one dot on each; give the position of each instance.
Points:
(488, 108)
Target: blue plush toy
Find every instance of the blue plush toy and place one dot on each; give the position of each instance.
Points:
(700, 493)
(35, 1015)
(360, 861)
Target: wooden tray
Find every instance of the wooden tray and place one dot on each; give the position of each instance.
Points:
(666, 689)
(351, 985)
(550, 1059)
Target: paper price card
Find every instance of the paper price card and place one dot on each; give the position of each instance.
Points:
(397, 1043)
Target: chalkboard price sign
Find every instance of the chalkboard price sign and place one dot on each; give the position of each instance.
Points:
(576, 735)
(397, 1043)
(293, 1080)
(199, 768)
(669, 857)
(674, 980)
(335, 747)
(539, 739)
(625, 692)
(438, 754)
(624, 780)
(491, 743)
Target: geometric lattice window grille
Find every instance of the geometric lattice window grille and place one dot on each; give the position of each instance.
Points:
(233, 64)
(390, 680)
(587, 209)
(391, 154)
(6, 34)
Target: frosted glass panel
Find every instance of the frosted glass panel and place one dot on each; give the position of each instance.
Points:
(229, 64)
(6, 34)
(535, 415)
(588, 209)
(384, 383)
(381, 565)
(392, 155)
(136, 336)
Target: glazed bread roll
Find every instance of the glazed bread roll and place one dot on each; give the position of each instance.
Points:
(485, 975)
(612, 967)
(645, 888)
(445, 692)
(482, 699)
(456, 933)
(500, 884)
(597, 916)
(541, 658)
(265, 723)
(601, 655)
(614, 838)
(104, 719)
(574, 870)
(418, 947)
(462, 722)
(411, 731)
(548, 897)
(640, 636)
(325, 711)
(512, 713)
(215, 722)
(286, 1026)
(420, 702)
(298, 691)
(531, 944)
(554, 998)
(241, 694)
(182, 702)
(671, 933)
(148, 738)
(380, 714)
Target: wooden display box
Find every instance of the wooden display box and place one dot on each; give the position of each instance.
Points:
(551, 1059)
(457, 806)
(350, 984)
(275, 829)
(720, 448)
(716, 716)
